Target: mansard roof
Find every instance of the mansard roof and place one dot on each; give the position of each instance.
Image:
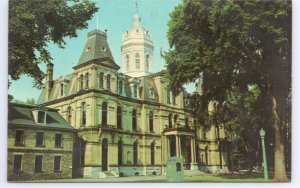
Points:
(96, 48)
(22, 115)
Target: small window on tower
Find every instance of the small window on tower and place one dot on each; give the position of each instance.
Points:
(103, 49)
(88, 49)
(137, 31)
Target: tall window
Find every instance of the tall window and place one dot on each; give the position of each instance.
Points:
(83, 115)
(135, 91)
(127, 62)
(168, 97)
(173, 98)
(108, 81)
(206, 155)
(19, 139)
(101, 80)
(170, 120)
(39, 139)
(147, 62)
(61, 89)
(57, 163)
(134, 120)
(151, 121)
(81, 81)
(153, 153)
(58, 140)
(120, 87)
(186, 122)
(137, 61)
(175, 120)
(17, 165)
(135, 153)
(119, 117)
(120, 152)
(38, 167)
(87, 80)
(69, 118)
(104, 113)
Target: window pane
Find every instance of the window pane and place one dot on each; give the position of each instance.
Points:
(58, 140)
(19, 137)
(17, 163)
(39, 139)
(57, 161)
(41, 117)
(38, 163)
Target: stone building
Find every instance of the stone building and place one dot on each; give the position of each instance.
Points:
(40, 144)
(129, 123)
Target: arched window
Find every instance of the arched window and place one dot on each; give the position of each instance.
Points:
(135, 153)
(81, 81)
(135, 91)
(83, 115)
(119, 117)
(168, 97)
(170, 120)
(69, 115)
(134, 120)
(61, 89)
(101, 80)
(147, 62)
(104, 114)
(120, 152)
(87, 80)
(137, 61)
(108, 81)
(186, 122)
(175, 120)
(127, 62)
(153, 153)
(173, 98)
(151, 121)
(120, 87)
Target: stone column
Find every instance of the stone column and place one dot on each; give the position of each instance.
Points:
(167, 148)
(194, 164)
(178, 146)
(92, 160)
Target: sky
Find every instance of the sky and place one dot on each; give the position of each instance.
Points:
(116, 16)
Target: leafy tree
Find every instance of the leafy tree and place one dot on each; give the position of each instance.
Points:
(27, 101)
(34, 24)
(233, 45)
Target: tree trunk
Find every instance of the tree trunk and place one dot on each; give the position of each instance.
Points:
(279, 159)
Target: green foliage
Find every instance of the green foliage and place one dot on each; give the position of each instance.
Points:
(34, 24)
(241, 50)
(27, 101)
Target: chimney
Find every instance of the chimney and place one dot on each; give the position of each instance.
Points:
(49, 80)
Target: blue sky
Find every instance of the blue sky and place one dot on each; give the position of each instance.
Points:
(116, 16)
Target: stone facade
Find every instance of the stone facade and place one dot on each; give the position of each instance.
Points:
(38, 150)
(127, 124)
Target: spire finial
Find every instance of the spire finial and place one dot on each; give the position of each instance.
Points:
(137, 7)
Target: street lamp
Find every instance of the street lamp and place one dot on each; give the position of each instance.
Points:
(262, 134)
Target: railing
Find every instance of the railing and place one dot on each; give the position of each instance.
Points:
(179, 127)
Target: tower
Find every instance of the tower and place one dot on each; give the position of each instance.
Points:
(137, 50)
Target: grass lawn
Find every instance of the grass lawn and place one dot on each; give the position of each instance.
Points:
(228, 179)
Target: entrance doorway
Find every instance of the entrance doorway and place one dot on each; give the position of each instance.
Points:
(104, 154)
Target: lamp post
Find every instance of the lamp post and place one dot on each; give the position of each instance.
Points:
(262, 134)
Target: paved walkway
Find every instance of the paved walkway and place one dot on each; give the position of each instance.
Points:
(110, 180)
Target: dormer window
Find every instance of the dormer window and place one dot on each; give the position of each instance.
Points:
(41, 117)
(151, 93)
(88, 49)
(103, 49)
(61, 89)
(137, 31)
(120, 87)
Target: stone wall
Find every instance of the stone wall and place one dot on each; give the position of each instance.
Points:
(48, 151)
